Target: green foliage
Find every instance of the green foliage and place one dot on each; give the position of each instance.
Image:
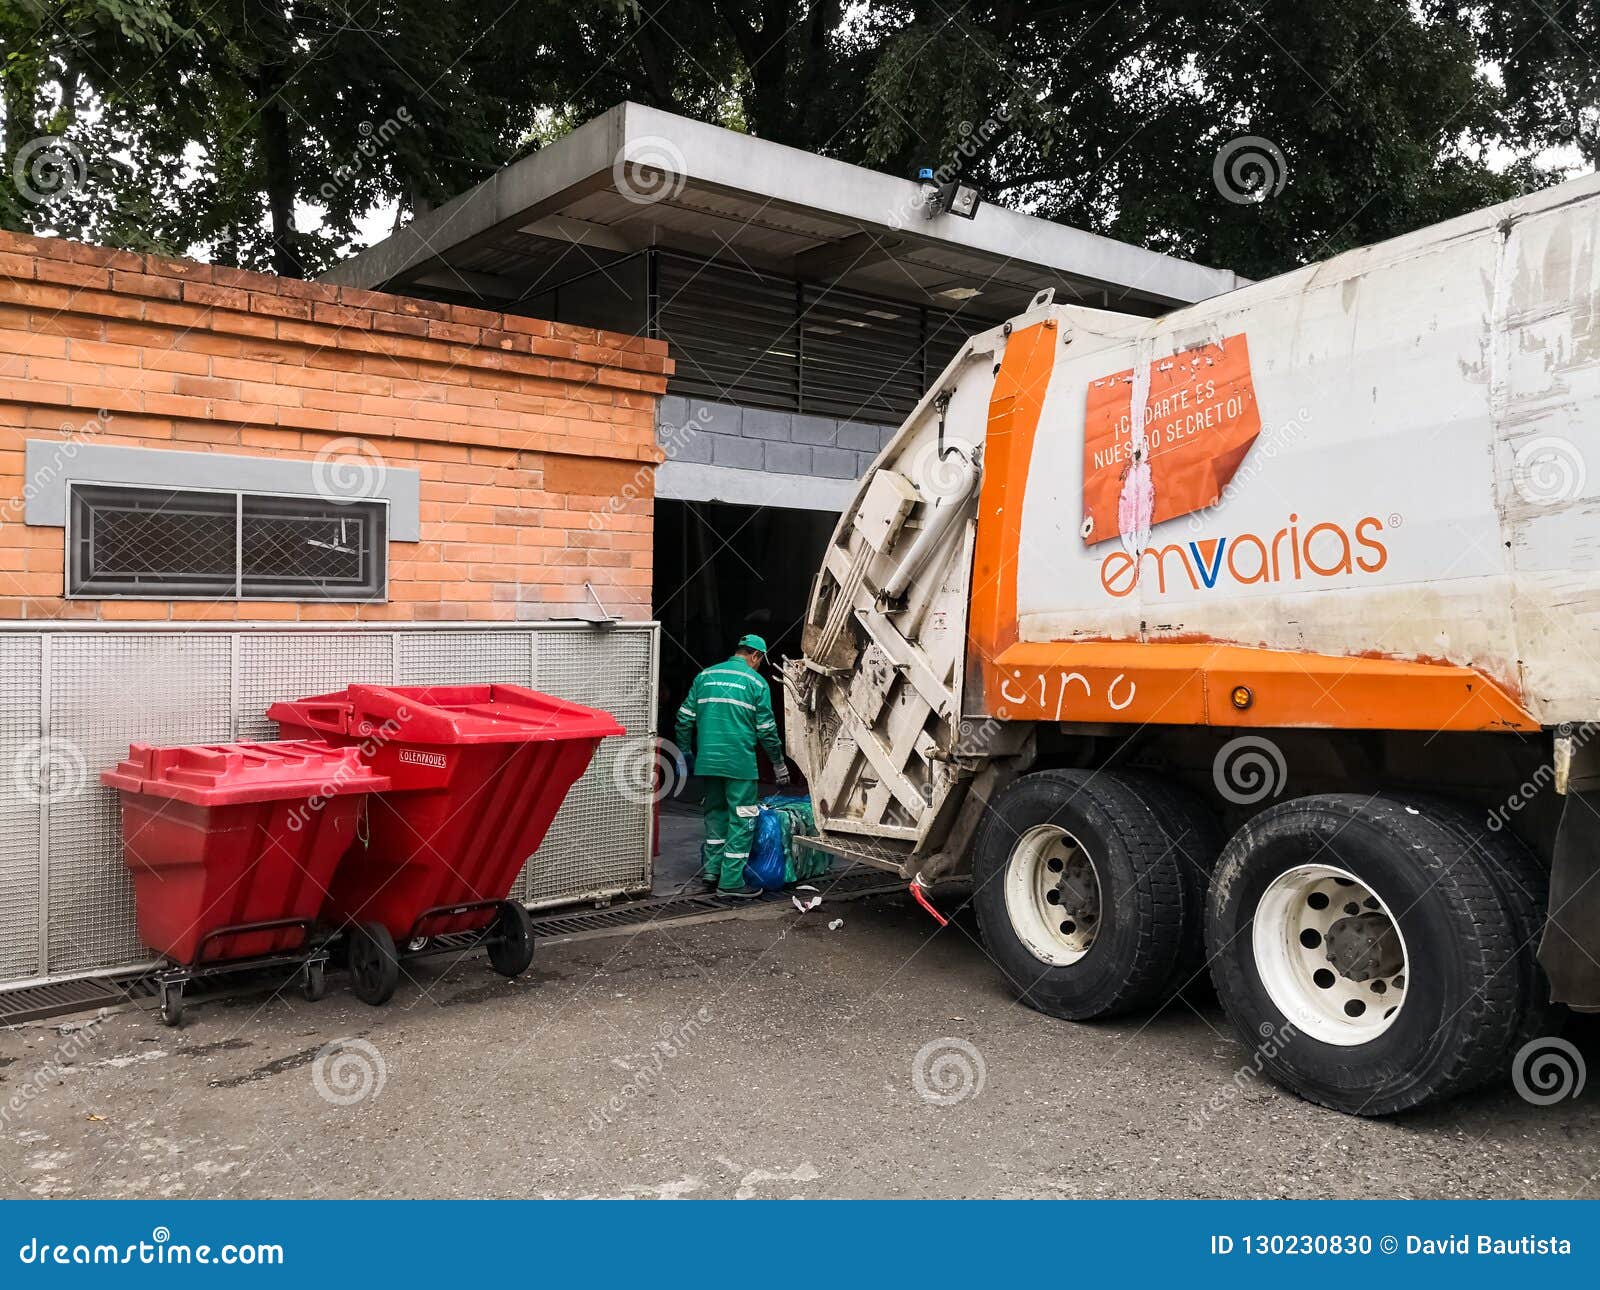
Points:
(262, 133)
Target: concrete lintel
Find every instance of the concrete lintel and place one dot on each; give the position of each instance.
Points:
(54, 464)
(690, 482)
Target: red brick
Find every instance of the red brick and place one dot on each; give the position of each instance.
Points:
(265, 302)
(190, 270)
(73, 275)
(206, 293)
(340, 316)
(147, 284)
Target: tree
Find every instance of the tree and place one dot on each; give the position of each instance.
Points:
(240, 118)
(66, 169)
(1362, 118)
(262, 132)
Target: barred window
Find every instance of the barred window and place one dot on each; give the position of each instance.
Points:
(176, 544)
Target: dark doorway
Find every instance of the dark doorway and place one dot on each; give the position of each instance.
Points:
(722, 570)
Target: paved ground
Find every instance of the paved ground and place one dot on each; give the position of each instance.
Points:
(764, 1056)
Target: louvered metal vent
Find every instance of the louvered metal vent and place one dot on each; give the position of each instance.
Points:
(762, 340)
(733, 333)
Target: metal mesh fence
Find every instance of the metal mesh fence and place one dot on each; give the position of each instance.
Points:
(72, 700)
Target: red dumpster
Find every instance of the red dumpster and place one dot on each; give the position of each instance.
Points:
(232, 846)
(477, 773)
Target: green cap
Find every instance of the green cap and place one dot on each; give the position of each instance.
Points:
(751, 641)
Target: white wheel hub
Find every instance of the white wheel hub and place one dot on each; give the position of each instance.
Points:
(1330, 955)
(1053, 895)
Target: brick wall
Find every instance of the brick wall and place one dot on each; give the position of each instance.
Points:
(534, 442)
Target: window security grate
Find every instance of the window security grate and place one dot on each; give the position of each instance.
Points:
(156, 543)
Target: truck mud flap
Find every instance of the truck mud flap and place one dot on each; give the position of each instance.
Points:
(1570, 949)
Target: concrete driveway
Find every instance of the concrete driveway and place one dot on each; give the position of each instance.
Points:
(760, 1056)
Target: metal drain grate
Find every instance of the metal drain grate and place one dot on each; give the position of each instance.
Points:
(33, 1002)
(661, 909)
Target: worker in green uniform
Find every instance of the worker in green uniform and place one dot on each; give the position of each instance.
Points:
(728, 712)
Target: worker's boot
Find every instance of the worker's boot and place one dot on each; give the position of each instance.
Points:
(746, 892)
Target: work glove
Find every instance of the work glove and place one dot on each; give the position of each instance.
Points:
(684, 765)
(780, 772)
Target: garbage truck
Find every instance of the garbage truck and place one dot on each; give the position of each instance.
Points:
(1251, 643)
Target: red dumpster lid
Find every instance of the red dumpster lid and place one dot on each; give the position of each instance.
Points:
(225, 774)
(448, 714)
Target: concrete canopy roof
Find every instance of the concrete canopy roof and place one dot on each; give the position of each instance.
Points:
(637, 177)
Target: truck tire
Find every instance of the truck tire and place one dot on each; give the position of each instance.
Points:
(1363, 952)
(1194, 833)
(1078, 893)
(1524, 887)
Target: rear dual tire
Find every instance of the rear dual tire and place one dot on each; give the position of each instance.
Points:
(1079, 893)
(1374, 953)
(1364, 953)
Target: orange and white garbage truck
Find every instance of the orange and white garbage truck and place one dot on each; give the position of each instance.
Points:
(1255, 641)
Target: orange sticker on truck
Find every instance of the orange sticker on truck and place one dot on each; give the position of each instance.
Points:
(1198, 419)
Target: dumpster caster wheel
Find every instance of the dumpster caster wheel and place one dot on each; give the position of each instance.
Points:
(374, 965)
(172, 1005)
(416, 945)
(314, 982)
(511, 940)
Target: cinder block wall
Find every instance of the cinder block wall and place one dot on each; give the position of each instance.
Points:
(534, 443)
(708, 433)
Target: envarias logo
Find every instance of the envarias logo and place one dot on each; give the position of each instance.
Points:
(1297, 552)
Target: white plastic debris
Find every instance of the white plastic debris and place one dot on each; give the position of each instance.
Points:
(805, 904)
(836, 924)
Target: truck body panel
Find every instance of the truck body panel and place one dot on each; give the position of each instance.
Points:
(1353, 497)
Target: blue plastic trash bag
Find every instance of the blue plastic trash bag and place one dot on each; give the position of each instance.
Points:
(768, 857)
(780, 853)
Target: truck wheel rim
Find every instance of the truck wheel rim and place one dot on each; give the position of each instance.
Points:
(1053, 895)
(1330, 955)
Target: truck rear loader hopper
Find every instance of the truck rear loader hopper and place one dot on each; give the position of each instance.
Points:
(1256, 642)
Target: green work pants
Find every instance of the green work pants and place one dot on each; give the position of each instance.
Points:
(730, 816)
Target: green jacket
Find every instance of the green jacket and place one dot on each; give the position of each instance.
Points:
(729, 710)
